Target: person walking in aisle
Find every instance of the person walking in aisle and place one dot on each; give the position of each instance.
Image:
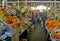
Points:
(32, 17)
(40, 18)
(44, 17)
(36, 18)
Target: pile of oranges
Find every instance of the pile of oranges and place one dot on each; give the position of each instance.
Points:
(50, 24)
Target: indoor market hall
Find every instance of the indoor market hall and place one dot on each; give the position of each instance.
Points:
(29, 20)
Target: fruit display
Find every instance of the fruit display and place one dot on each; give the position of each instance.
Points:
(20, 20)
(2, 14)
(54, 26)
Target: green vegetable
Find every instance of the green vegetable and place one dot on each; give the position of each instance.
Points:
(18, 11)
(4, 19)
(1, 13)
(2, 16)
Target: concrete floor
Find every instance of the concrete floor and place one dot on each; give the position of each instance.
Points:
(38, 34)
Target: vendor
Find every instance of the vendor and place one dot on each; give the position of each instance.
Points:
(52, 17)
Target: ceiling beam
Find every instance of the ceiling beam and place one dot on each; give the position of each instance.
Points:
(34, 1)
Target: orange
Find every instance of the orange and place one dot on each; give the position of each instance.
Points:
(14, 25)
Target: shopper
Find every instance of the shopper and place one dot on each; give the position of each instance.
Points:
(44, 17)
(32, 17)
(40, 18)
(36, 18)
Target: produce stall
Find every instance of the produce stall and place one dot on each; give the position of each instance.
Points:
(53, 27)
(19, 19)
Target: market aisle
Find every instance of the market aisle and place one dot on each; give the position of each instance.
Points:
(38, 35)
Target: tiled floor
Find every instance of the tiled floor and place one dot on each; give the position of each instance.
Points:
(38, 34)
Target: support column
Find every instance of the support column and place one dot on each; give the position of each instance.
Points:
(26, 3)
(34, 4)
(3, 1)
(18, 3)
(55, 5)
(31, 2)
(6, 3)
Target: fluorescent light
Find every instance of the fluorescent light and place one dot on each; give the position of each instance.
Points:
(41, 8)
(32, 8)
(48, 8)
